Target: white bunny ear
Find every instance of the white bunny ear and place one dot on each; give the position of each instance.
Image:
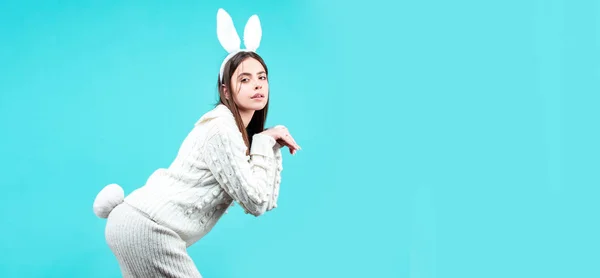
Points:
(226, 33)
(252, 33)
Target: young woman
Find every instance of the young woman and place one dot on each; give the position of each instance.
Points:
(227, 157)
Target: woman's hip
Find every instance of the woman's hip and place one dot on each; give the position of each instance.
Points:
(127, 226)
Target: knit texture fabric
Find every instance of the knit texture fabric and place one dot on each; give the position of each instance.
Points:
(210, 172)
(146, 249)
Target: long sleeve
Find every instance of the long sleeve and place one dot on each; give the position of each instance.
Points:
(246, 178)
(277, 177)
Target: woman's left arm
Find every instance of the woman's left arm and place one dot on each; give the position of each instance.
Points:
(284, 139)
(277, 177)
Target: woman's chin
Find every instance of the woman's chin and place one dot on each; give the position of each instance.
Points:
(256, 106)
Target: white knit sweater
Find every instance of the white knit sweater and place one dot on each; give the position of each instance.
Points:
(209, 173)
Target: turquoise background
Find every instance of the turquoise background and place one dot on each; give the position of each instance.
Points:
(440, 138)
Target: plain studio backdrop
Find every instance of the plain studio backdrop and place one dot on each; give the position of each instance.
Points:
(440, 138)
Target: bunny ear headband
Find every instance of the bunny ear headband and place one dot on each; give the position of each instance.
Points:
(229, 39)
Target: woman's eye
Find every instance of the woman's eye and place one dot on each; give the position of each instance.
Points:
(263, 77)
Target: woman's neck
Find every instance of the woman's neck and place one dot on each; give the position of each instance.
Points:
(246, 116)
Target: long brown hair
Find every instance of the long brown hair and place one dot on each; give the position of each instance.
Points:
(257, 123)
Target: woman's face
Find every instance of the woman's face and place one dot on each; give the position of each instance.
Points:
(250, 86)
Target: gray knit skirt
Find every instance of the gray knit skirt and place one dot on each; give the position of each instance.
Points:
(146, 249)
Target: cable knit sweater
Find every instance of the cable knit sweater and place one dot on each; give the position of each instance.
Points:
(210, 172)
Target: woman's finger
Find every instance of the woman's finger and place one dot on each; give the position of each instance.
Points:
(284, 143)
(288, 141)
(293, 140)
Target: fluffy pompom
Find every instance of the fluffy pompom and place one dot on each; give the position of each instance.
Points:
(107, 199)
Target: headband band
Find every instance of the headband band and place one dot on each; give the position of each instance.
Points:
(230, 40)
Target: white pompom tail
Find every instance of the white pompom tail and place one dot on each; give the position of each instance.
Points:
(107, 199)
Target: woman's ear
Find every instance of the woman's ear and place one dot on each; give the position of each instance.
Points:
(225, 91)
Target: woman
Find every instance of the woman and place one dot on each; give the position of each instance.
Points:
(228, 156)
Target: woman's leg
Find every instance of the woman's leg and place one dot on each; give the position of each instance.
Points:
(145, 249)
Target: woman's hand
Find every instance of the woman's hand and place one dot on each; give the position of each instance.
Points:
(282, 136)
